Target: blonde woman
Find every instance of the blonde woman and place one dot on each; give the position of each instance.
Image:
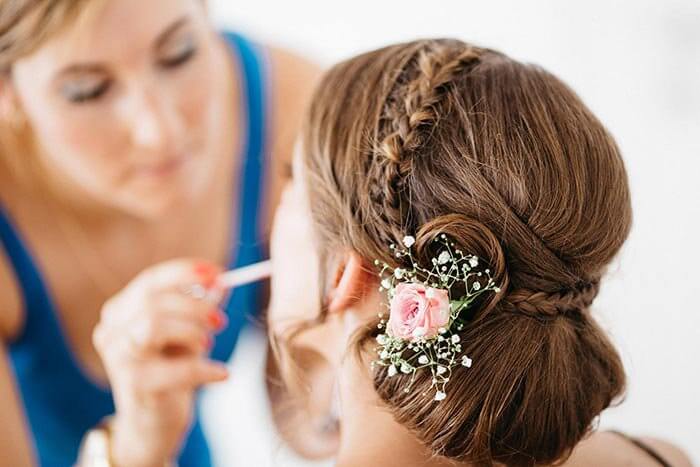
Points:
(131, 133)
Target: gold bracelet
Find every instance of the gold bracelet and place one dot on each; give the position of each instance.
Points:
(95, 446)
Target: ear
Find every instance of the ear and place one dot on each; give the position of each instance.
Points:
(350, 281)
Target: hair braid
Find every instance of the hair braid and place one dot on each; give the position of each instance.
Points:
(551, 304)
(410, 111)
(438, 136)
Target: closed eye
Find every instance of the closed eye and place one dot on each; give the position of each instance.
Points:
(80, 91)
(180, 53)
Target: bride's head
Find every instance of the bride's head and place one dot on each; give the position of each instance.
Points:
(440, 137)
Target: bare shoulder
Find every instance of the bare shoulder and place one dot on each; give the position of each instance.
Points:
(294, 76)
(607, 449)
(292, 81)
(669, 451)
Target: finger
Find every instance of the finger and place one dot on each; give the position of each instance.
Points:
(178, 275)
(136, 334)
(174, 305)
(211, 295)
(173, 277)
(181, 373)
(156, 333)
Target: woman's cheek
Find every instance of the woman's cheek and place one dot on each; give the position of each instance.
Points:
(92, 149)
(295, 287)
(196, 101)
(198, 89)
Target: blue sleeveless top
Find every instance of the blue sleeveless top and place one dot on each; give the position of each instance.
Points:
(60, 402)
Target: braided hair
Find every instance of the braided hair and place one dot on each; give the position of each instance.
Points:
(439, 136)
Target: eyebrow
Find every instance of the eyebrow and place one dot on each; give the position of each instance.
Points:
(95, 67)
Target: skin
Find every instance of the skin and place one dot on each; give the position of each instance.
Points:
(352, 298)
(138, 142)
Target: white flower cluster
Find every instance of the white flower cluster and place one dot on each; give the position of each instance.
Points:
(439, 353)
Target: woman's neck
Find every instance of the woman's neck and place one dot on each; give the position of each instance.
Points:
(370, 435)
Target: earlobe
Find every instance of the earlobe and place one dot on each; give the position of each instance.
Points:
(350, 283)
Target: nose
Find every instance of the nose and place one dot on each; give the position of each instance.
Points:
(147, 130)
(152, 119)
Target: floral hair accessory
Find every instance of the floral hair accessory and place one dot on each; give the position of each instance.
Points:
(424, 320)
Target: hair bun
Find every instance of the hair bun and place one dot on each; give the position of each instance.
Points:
(472, 237)
(475, 238)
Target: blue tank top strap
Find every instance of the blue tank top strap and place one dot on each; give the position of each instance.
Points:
(40, 320)
(41, 359)
(31, 285)
(249, 247)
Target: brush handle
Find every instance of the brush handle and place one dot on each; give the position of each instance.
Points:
(245, 275)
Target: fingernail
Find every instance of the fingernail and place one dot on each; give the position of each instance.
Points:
(217, 319)
(207, 273)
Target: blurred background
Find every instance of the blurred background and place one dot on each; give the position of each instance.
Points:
(637, 65)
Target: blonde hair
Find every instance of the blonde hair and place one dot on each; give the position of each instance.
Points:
(24, 26)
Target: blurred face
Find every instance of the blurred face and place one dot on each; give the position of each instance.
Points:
(295, 280)
(126, 104)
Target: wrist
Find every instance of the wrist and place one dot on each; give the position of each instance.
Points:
(130, 448)
(114, 443)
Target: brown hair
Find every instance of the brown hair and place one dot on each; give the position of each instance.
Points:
(438, 136)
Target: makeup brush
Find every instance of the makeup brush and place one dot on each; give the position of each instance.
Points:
(245, 275)
(229, 280)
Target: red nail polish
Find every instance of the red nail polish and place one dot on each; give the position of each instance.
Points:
(217, 319)
(206, 273)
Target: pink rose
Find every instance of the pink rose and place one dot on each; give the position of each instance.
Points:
(418, 311)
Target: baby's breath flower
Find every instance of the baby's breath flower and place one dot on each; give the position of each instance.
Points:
(428, 347)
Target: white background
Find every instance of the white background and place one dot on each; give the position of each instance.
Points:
(637, 65)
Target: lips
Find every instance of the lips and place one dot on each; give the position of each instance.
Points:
(162, 168)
